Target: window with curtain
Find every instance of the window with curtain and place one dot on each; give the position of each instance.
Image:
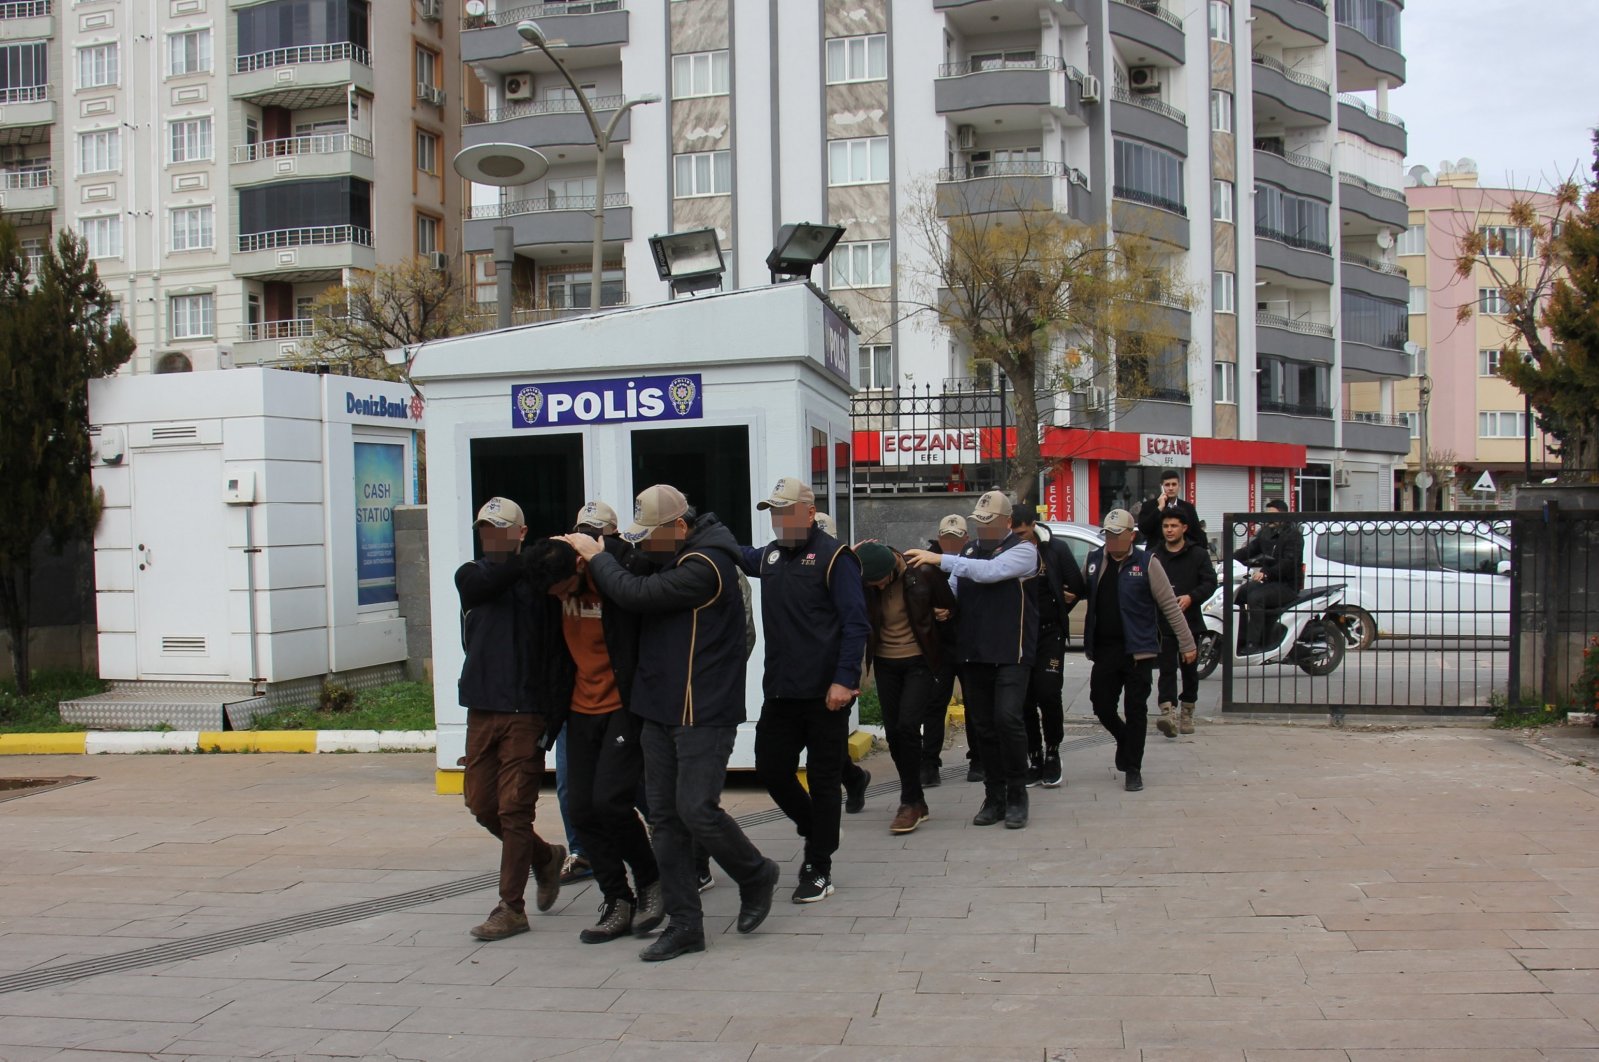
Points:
(1148, 174)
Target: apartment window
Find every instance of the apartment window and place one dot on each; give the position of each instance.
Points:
(1376, 19)
(1413, 422)
(1221, 20)
(1221, 200)
(191, 140)
(864, 264)
(427, 152)
(861, 161)
(1507, 241)
(1418, 299)
(97, 65)
(100, 151)
(1413, 240)
(427, 67)
(24, 71)
(192, 316)
(193, 228)
(427, 234)
(857, 59)
(1492, 301)
(700, 74)
(1502, 424)
(702, 173)
(1292, 219)
(1148, 174)
(1226, 383)
(103, 235)
(1489, 361)
(189, 52)
(1221, 111)
(1375, 322)
(876, 367)
(565, 290)
(1224, 291)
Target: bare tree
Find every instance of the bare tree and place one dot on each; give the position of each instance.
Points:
(395, 307)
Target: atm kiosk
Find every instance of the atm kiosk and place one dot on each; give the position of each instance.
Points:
(719, 395)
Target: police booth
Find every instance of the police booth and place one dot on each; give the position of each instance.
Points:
(719, 395)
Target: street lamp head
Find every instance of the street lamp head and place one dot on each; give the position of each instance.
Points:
(501, 165)
(529, 31)
(649, 97)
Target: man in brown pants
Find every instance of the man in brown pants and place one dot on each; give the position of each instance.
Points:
(516, 691)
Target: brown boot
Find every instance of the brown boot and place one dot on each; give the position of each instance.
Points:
(501, 923)
(548, 878)
(1167, 723)
(1185, 724)
(908, 817)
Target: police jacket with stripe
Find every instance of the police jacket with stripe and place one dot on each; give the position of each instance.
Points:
(997, 622)
(516, 659)
(691, 629)
(1143, 594)
(813, 612)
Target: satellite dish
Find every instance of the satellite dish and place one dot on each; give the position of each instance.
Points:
(1385, 239)
(1445, 168)
(1422, 176)
(1466, 166)
(476, 8)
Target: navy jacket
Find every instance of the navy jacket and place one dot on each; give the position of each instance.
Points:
(1145, 594)
(813, 612)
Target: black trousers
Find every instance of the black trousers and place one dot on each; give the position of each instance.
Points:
(684, 768)
(994, 697)
(604, 765)
(1171, 665)
(1257, 599)
(1045, 710)
(787, 728)
(907, 688)
(937, 713)
(1118, 677)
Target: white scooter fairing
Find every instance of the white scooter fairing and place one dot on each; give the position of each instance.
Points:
(1304, 632)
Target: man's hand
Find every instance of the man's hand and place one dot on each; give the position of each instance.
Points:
(838, 697)
(941, 614)
(587, 548)
(1190, 656)
(922, 558)
(1069, 597)
(1184, 601)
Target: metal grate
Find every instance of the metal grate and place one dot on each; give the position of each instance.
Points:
(183, 645)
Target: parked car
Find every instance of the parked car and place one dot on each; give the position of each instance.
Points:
(1083, 540)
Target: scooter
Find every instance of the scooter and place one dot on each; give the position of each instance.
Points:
(1306, 632)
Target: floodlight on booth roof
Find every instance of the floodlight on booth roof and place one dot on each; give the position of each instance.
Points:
(502, 165)
(689, 261)
(802, 247)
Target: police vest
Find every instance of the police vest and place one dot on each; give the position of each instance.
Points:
(997, 623)
(1140, 614)
(803, 629)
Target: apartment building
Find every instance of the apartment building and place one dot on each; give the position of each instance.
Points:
(1476, 422)
(1251, 141)
(228, 160)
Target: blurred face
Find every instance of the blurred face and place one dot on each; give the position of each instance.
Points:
(993, 531)
(500, 541)
(566, 587)
(1119, 543)
(1168, 488)
(665, 540)
(1173, 531)
(792, 525)
(952, 543)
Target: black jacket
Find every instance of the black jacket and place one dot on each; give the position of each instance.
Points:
(1190, 572)
(1152, 512)
(1061, 575)
(925, 589)
(516, 659)
(1279, 551)
(691, 661)
(813, 614)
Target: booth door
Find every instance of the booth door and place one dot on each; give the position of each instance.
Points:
(180, 561)
(541, 473)
(710, 465)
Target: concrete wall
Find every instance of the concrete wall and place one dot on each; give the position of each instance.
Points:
(411, 564)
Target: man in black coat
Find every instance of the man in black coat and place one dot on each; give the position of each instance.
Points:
(1193, 580)
(1275, 557)
(1168, 500)
(1060, 587)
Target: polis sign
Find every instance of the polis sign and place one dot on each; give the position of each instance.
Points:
(1172, 451)
(550, 405)
(930, 447)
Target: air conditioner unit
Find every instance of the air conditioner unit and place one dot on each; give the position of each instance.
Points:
(435, 96)
(966, 137)
(1093, 398)
(439, 261)
(518, 87)
(428, 94)
(1340, 476)
(1090, 89)
(432, 10)
(1144, 79)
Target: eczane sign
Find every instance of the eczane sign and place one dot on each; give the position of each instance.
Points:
(1174, 451)
(938, 447)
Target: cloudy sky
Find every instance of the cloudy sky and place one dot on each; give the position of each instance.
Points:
(1513, 85)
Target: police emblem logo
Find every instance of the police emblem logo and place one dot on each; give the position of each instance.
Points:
(773, 557)
(682, 392)
(492, 506)
(530, 403)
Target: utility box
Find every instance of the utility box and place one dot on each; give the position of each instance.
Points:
(719, 395)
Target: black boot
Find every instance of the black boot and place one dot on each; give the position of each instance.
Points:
(1016, 807)
(993, 809)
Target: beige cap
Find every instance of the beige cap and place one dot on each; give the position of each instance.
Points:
(657, 505)
(500, 512)
(1117, 522)
(790, 490)
(953, 524)
(597, 514)
(825, 522)
(992, 506)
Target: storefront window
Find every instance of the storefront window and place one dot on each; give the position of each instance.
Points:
(1314, 487)
(1125, 486)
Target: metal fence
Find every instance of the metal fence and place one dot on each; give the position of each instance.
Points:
(1554, 618)
(921, 439)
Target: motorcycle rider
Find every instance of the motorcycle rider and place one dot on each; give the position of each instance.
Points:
(1275, 557)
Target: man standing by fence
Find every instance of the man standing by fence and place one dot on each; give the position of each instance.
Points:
(1193, 580)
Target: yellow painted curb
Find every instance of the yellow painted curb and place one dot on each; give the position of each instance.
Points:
(258, 741)
(957, 714)
(449, 783)
(43, 744)
(860, 744)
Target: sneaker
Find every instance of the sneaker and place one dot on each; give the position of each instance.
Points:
(1135, 782)
(548, 878)
(1035, 768)
(932, 776)
(575, 869)
(674, 942)
(651, 911)
(908, 817)
(1052, 771)
(502, 922)
(755, 898)
(707, 881)
(991, 812)
(813, 886)
(616, 920)
(855, 792)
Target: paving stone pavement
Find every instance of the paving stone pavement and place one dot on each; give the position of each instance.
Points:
(1276, 894)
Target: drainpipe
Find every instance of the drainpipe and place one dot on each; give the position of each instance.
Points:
(250, 550)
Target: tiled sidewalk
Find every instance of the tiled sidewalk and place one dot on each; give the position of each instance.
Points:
(1274, 894)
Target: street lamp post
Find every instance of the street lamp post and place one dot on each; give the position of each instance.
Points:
(529, 31)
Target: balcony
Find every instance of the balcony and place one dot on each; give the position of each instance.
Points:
(549, 221)
(1008, 187)
(270, 341)
(319, 155)
(1300, 423)
(579, 23)
(1363, 361)
(989, 87)
(1299, 94)
(23, 110)
(1293, 255)
(1296, 338)
(26, 20)
(1304, 16)
(31, 194)
(1383, 433)
(1301, 174)
(1363, 61)
(485, 318)
(1379, 127)
(311, 75)
(1158, 410)
(1148, 22)
(1149, 118)
(1154, 217)
(1385, 206)
(544, 123)
(1383, 280)
(320, 252)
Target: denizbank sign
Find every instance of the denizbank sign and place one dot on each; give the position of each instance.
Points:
(379, 406)
(550, 405)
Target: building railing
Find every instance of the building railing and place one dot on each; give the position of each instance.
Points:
(512, 15)
(24, 9)
(295, 328)
(1293, 409)
(1164, 394)
(1361, 105)
(557, 105)
(973, 171)
(1150, 103)
(1375, 265)
(1319, 5)
(541, 205)
(1303, 243)
(983, 66)
(1387, 420)
(1135, 195)
(1346, 177)
(1295, 158)
(483, 316)
(313, 144)
(309, 236)
(26, 93)
(17, 180)
(1152, 7)
(1293, 324)
(304, 53)
(1296, 76)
